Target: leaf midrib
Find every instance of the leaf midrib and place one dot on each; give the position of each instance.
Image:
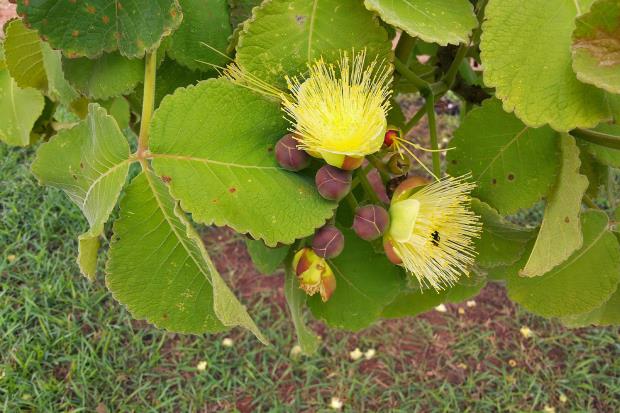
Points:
(210, 161)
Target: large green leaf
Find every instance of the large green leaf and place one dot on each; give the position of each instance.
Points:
(365, 283)
(24, 57)
(214, 143)
(204, 21)
(560, 232)
(284, 35)
(266, 259)
(501, 242)
(159, 269)
(513, 165)
(437, 21)
(582, 283)
(596, 46)
(33, 63)
(526, 53)
(106, 76)
(605, 315)
(296, 298)
(90, 163)
(19, 109)
(90, 28)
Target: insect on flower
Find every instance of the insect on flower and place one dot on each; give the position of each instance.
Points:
(432, 230)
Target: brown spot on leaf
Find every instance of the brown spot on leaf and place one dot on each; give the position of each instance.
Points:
(119, 6)
(511, 177)
(454, 162)
(91, 9)
(173, 12)
(82, 165)
(567, 220)
(232, 190)
(117, 35)
(75, 33)
(166, 179)
(105, 19)
(494, 181)
(301, 20)
(603, 45)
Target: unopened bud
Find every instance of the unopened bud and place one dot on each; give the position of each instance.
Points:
(314, 274)
(333, 183)
(348, 163)
(328, 242)
(408, 186)
(371, 222)
(288, 156)
(391, 136)
(399, 164)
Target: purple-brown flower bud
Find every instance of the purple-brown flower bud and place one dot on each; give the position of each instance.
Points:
(328, 242)
(333, 183)
(314, 274)
(288, 156)
(371, 222)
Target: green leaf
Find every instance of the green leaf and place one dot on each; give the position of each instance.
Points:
(513, 165)
(596, 45)
(159, 269)
(437, 21)
(119, 109)
(606, 315)
(560, 232)
(267, 260)
(24, 57)
(580, 284)
(501, 243)
(204, 21)
(527, 59)
(19, 109)
(106, 76)
(366, 282)
(88, 247)
(597, 173)
(296, 298)
(411, 303)
(89, 162)
(32, 63)
(79, 29)
(284, 35)
(214, 144)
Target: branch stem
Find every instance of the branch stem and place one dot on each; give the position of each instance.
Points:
(148, 101)
(432, 128)
(598, 138)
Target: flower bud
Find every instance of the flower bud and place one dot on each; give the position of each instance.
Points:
(391, 136)
(314, 274)
(399, 164)
(348, 163)
(328, 242)
(371, 222)
(288, 156)
(333, 183)
(408, 186)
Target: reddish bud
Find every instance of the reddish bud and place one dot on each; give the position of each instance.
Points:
(333, 183)
(328, 242)
(288, 156)
(408, 186)
(391, 136)
(371, 222)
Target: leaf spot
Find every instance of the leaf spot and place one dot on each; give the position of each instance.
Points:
(511, 177)
(232, 190)
(91, 9)
(166, 179)
(105, 19)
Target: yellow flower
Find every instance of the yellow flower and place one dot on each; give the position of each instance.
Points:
(314, 274)
(432, 230)
(339, 112)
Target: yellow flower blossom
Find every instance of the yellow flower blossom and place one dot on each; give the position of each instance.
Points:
(432, 230)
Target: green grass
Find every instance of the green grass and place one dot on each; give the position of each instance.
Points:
(65, 345)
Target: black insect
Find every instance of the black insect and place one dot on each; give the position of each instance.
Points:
(436, 238)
